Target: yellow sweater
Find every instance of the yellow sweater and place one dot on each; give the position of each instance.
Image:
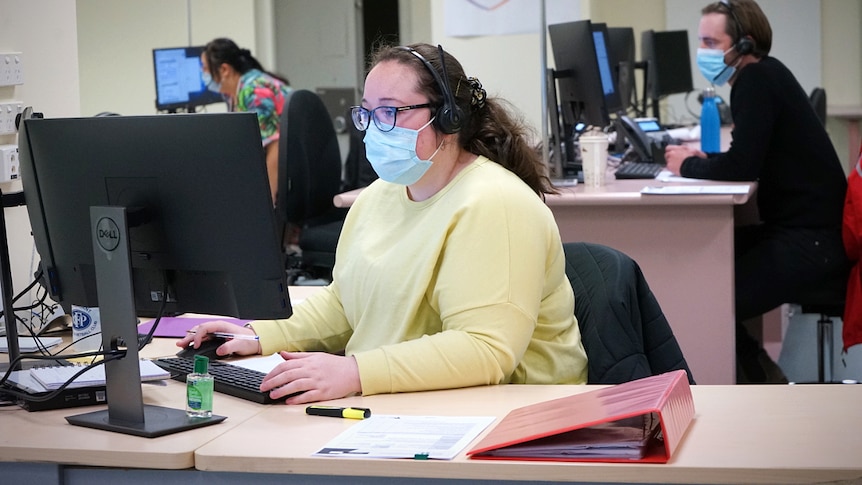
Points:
(466, 288)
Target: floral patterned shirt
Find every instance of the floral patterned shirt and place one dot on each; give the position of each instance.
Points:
(259, 92)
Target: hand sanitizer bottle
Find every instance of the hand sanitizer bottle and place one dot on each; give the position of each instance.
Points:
(199, 390)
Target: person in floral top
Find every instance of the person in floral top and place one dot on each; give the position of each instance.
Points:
(237, 75)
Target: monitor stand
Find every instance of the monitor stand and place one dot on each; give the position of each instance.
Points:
(126, 411)
(9, 323)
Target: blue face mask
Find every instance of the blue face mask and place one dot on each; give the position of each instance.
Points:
(209, 83)
(712, 66)
(393, 154)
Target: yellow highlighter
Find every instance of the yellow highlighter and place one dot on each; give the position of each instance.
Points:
(338, 412)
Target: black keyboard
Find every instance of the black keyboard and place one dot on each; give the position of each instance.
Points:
(638, 170)
(229, 379)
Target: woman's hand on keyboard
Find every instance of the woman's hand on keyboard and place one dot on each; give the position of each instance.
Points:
(238, 346)
(320, 375)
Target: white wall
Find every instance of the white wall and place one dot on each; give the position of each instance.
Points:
(116, 41)
(44, 31)
(508, 66)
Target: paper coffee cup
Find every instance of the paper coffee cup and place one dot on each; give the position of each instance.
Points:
(86, 328)
(594, 158)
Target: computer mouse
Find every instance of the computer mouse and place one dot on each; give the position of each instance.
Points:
(207, 348)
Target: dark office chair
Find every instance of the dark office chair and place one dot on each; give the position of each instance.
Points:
(623, 329)
(358, 171)
(309, 176)
(818, 102)
(826, 301)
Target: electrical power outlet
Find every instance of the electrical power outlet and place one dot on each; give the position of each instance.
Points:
(8, 163)
(8, 111)
(11, 68)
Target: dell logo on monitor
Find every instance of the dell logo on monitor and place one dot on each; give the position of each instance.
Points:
(107, 234)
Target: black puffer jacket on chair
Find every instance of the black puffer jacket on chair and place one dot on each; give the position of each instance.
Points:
(623, 329)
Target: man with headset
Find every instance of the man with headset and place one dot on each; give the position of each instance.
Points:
(779, 142)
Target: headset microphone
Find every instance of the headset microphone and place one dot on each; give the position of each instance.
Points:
(727, 66)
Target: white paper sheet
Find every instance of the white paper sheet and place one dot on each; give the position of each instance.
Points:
(414, 437)
(696, 190)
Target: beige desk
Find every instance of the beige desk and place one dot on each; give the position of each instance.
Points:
(750, 434)
(45, 436)
(684, 245)
(741, 434)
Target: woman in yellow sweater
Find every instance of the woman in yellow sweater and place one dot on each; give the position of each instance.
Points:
(450, 269)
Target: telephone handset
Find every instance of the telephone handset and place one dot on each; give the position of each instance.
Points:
(639, 140)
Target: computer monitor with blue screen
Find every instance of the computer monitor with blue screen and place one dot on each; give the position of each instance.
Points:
(152, 212)
(587, 93)
(179, 85)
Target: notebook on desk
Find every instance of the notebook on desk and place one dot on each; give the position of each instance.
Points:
(30, 344)
(55, 376)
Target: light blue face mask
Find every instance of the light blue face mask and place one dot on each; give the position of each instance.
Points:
(393, 154)
(712, 66)
(209, 83)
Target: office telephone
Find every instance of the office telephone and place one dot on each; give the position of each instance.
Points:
(638, 139)
(645, 158)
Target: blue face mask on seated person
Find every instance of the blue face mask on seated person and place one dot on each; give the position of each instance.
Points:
(393, 154)
(711, 64)
(209, 83)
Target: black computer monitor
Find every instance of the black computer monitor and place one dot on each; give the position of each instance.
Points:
(621, 47)
(668, 64)
(584, 75)
(179, 85)
(129, 211)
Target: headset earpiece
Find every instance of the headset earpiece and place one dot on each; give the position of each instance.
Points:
(744, 46)
(448, 118)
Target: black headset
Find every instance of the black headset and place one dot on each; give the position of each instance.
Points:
(744, 44)
(448, 118)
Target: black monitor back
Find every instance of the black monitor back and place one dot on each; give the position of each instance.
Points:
(583, 96)
(668, 62)
(196, 190)
(621, 48)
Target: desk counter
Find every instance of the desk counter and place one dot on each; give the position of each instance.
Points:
(44, 436)
(750, 434)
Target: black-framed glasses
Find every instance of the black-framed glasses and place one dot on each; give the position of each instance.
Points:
(383, 116)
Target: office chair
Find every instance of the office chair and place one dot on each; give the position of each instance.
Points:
(624, 332)
(358, 171)
(827, 301)
(818, 102)
(309, 176)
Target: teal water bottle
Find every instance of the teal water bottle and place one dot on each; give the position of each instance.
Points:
(710, 123)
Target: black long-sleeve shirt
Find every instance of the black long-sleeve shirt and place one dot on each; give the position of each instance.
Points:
(778, 141)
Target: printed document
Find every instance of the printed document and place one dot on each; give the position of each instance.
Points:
(414, 437)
